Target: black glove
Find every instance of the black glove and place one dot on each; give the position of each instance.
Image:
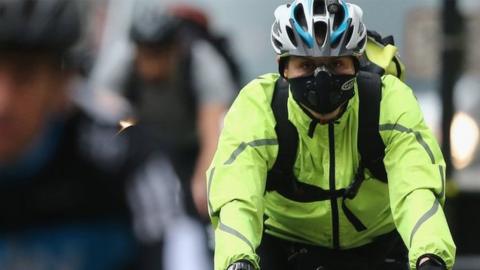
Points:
(241, 265)
(432, 264)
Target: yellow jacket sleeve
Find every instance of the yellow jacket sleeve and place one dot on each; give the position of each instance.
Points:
(416, 175)
(236, 178)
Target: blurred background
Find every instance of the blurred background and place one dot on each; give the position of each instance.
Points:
(438, 42)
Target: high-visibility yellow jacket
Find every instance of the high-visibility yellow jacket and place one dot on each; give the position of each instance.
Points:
(411, 202)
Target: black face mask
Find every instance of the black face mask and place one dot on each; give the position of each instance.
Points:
(322, 92)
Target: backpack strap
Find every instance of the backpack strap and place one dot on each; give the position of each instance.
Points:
(287, 133)
(370, 144)
(287, 136)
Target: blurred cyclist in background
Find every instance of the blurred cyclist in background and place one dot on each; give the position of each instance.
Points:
(181, 86)
(73, 195)
(181, 80)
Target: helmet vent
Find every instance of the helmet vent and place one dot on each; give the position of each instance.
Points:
(276, 28)
(291, 36)
(338, 18)
(319, 7)
(277, 43)
(320, 33)
(361, 29)
(300, 17)
(361, 44)
(348, 35)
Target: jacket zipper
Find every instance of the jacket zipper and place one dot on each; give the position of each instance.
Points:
(333, 200)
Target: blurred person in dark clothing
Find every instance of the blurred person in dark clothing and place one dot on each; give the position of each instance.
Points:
(73, 195)
(181, 80)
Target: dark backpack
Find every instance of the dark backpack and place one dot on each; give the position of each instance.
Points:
(370, 145)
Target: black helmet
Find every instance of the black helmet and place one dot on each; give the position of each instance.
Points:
(157, 26)
(153, 27)
(39, 24)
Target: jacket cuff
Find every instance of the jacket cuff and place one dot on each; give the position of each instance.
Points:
(436, 260)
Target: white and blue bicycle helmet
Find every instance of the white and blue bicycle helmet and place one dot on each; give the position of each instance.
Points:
(318, 28)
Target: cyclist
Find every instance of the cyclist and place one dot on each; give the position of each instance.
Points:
(72, 194)
(319, 215)
(175, 99)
